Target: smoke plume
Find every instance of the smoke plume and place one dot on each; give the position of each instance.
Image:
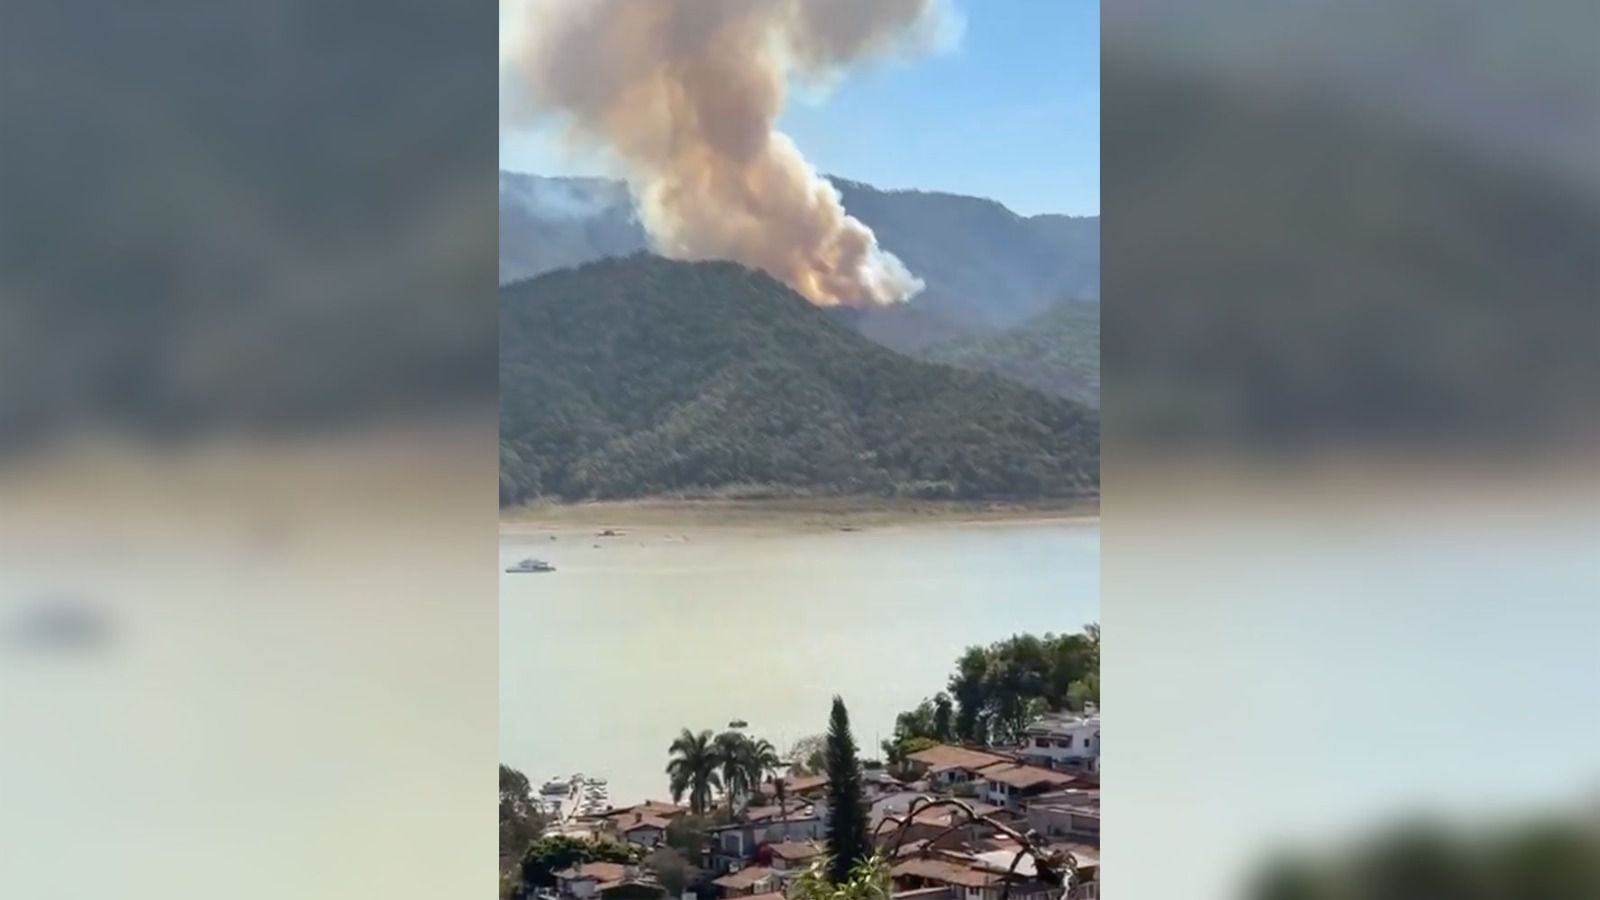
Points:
(687, 94)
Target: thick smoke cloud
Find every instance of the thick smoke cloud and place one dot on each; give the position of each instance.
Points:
(687, 94)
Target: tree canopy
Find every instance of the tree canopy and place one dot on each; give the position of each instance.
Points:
(995, 691)
(644, 376)
(848, 841)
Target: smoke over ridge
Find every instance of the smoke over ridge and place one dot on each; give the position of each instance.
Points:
(687, 96)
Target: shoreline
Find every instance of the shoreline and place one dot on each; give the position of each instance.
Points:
(821, 513)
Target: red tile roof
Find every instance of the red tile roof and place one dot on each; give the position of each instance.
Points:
(794, 851)
(599, 871)
(944, 871)
(1023, 776)
(744, 878)
(642, 821)
(945, 756)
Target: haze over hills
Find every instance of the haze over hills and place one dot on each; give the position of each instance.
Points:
(644, 376)
(553, 223)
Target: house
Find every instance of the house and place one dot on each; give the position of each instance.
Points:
(748, 881)
(793, 856)
(644, 824)
(788, 859)
(1064, 741)
(1070, 814)
(1013, 785)
(946, 766)
(969, 878)
(809, 787)
(947, 827)
(642, 829)
(736, 843)
(611, 881)
(879, 782)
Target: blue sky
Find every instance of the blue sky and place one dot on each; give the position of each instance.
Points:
(1012, 113)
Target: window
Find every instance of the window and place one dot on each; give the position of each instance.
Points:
(1041, 742)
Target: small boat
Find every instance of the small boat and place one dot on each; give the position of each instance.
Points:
(610, 532)
(531, 565)
(738, 723)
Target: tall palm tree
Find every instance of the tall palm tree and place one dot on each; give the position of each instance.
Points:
(730, 747)
(758, 758)
(693, 769)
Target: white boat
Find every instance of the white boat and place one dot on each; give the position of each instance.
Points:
(531, 565)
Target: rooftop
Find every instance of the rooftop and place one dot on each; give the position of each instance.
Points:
(641, 820)
(795, 851)
(945, 756)
(944, 870)
(744, 879)
(599, 871)
(1062, 723)
(1025, 776)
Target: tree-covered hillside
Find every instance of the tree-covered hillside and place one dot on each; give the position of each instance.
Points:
(1057, 352)
(643, 376)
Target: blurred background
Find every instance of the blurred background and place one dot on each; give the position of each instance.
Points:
(247, 449)
(1350, 584)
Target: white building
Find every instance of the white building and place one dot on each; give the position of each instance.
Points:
(1064, 741)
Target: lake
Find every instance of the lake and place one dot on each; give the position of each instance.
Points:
(635, 637)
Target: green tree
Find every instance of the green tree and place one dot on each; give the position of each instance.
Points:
(520, 820)
(557, 852)
(693, 769)
(848, 841)
(730, 749)
(758, 758)
(691, 834)
(808, 756)
(968, 686)
(673, 871)
(943, 725)
(866, 880)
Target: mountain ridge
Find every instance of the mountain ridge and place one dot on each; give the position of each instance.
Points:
(642, 376)
(984, 265)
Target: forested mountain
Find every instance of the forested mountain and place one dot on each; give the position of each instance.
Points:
(553, 223)
(985, 266)
(1057, 351)
(644, 376)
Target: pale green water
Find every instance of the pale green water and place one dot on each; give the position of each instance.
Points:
(604, 660)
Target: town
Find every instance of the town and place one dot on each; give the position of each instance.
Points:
(944, 821)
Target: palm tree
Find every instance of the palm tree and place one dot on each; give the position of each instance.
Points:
(758, 757)
(730, 749)
(693, 769)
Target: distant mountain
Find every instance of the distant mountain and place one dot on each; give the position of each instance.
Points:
(1057, 351)
(555, 223)
(644, 376)
(985, 266)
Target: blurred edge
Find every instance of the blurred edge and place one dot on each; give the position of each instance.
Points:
(1351, 278)
(247, 449)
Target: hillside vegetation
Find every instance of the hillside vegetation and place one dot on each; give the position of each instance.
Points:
(1057, 352)
(642, 376)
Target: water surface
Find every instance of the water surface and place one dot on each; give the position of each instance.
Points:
(635, 637)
